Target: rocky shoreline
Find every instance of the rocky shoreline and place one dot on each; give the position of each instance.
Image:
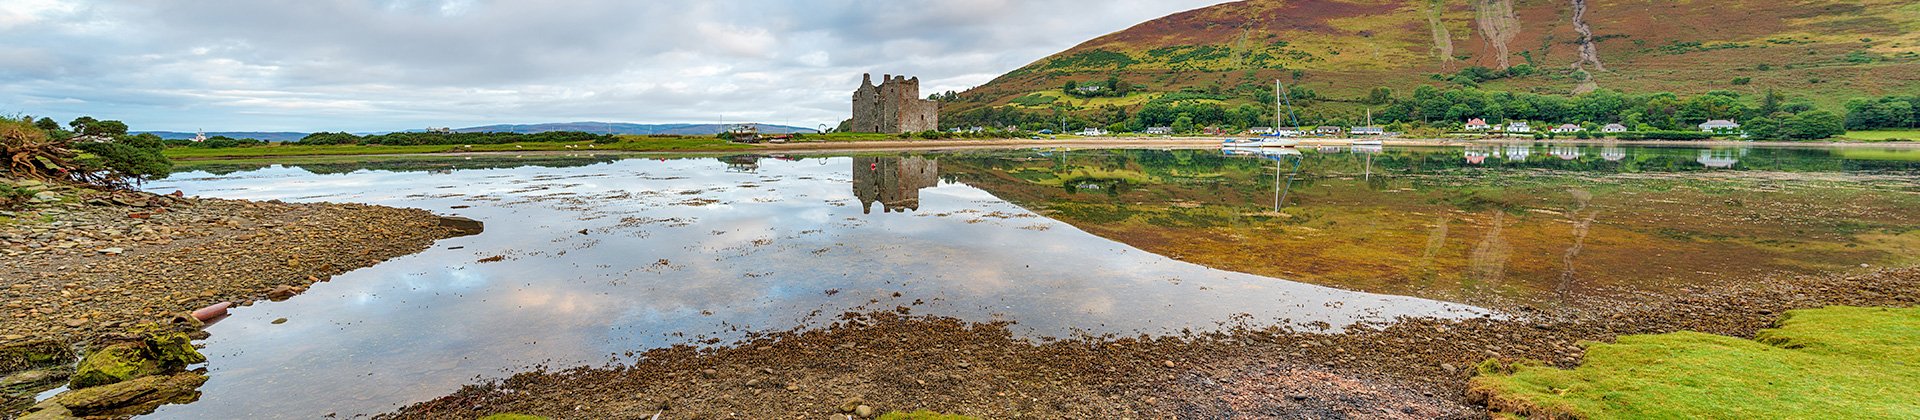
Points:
(890, 361)
(84, 265)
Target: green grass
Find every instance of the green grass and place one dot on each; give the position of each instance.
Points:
(1884, 135)
(1838, 362)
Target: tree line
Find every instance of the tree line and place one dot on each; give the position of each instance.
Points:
(420, 139)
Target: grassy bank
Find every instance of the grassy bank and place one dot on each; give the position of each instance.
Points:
(1838, 362)
(1883, 135)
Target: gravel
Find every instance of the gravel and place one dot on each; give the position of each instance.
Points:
(85, 263)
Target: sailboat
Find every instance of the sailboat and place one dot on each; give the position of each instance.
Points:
(1369, 124)
(1275, 139)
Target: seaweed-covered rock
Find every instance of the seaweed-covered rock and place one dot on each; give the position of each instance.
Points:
(173, 351)
(33, 354)
(114, 363)
(130, 398)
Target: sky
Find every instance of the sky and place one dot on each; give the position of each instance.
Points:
(382, 65)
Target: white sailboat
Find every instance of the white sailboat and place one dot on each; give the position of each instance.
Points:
(1369, 124)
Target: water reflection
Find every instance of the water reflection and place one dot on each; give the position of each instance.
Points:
(1545, 224)
(894, 182)
(604, 257)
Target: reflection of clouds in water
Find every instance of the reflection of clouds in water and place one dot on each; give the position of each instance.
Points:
(565, 298)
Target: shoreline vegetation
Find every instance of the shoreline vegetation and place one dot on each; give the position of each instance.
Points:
(643, 144)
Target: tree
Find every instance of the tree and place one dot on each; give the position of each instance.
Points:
(1183, 124)
(79, 125)
(47, 124)
(1380, 96)
(1764, 128)
(1813, 125)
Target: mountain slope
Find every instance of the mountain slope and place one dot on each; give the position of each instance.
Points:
(1821, 50)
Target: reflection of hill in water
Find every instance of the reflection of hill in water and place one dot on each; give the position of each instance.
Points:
(1522, 222)
(894, 182)
(410, 164)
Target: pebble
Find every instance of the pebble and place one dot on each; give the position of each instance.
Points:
(279, 321)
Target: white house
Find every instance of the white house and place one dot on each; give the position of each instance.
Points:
(1257, 131)
(1093, 132)
(1328, 130)
(1368, 131)
(1158, 131)
(1519, 127)
(1477, 124)
(1613, 128)
(1567, 128)
(1720, 127)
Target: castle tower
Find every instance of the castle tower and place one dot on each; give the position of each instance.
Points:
(893, 107)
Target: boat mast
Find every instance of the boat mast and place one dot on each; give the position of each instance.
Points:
(1279, 93)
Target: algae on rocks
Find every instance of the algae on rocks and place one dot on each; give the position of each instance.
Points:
(154, 354)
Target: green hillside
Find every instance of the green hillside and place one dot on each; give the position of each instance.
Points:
(1819, 52)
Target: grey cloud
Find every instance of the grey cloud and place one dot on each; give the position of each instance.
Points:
(377, 65)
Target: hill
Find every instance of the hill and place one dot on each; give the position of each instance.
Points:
(1818, 51)
(627, 128)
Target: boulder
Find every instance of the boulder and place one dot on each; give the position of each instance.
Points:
(115, 363)
(463, 226)
(130, 398)
(154, 354)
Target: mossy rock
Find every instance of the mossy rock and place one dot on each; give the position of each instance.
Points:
(131, 398)
(115, 363)
(173, 350)
(923, 415)
(34, 354)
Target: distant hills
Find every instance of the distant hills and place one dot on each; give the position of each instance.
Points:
(587, 126)
(1820, 51)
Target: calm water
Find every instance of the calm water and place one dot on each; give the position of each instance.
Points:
(1062, 242)
(680, 251)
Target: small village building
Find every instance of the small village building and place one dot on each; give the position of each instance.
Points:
(1567, 129)
(1477, 124)
(1613, 128)
(1261, 131)
(1288, 132)
(1369, 131)
(1328, 130)
(1720, 127)
(1519, 127)
(1093, 132)
(1158, 131)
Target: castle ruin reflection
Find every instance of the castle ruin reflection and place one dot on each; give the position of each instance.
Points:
(894, 182)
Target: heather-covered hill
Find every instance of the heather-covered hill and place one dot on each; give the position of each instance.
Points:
(1819, 51)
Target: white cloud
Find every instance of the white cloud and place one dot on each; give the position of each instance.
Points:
(365, 65)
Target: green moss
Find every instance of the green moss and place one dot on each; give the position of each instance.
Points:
(173, 350)
(923, 415)
(33, 354)
(512, 416)
(1838, 362)
(115, 363)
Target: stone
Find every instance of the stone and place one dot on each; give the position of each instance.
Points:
(851, 404)
(48, 411)
(280, 293)
(863, 411)
(113, 251)
(134, 397)
(463, 226)
(113, 364)
(46, 197)
(29, 378)
(893, 107)
(279, 321)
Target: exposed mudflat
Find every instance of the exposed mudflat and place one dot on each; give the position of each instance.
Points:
(97, 262)
(1409, 369)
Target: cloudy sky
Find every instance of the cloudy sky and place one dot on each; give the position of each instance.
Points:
(375, 65)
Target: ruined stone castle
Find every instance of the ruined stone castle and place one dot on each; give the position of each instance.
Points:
(895, 183)
(893, 107)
